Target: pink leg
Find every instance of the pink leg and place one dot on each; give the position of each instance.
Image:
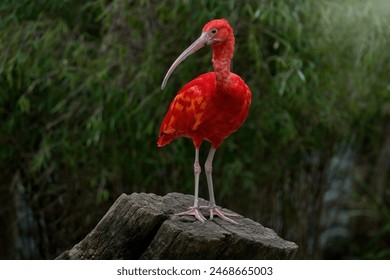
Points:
(213, 207)
(194, 211)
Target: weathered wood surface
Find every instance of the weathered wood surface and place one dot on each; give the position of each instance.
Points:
(142, 226)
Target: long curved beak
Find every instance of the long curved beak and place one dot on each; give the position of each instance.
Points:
(198, 44)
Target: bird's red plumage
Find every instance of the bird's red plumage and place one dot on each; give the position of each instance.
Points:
(203, 111)
(213, 105)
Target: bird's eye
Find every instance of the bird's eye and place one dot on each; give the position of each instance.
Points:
(213, 31)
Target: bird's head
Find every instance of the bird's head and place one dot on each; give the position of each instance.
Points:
(213, 34)
(217, 31)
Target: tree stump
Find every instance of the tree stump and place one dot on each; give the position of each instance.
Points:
(142, 226)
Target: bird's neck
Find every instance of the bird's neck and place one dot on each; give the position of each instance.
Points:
(222, 56)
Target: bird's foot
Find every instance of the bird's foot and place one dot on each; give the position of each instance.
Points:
(223, 215)
(193, 211)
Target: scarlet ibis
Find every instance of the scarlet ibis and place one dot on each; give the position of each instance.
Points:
(210, 107)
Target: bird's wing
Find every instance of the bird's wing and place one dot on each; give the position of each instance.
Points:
(186, 111)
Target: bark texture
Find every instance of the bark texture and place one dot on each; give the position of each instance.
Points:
(142, 226)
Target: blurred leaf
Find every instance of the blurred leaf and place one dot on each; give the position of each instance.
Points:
(24, 104)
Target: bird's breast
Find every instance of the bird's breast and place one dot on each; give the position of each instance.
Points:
(225, 112)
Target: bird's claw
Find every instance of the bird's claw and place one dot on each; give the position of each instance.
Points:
(193, 211)
(223, 215)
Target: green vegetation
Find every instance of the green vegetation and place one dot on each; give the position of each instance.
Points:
(81, 105)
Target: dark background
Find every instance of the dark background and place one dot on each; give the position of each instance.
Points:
(81, 106)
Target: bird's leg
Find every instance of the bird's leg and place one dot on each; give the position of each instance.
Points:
(212, 206)
(194, 210)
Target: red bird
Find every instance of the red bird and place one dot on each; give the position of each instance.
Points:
(210, 107)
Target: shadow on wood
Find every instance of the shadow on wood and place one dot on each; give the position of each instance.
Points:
(142, 226)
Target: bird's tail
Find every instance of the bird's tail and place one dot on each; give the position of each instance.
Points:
(164, 139)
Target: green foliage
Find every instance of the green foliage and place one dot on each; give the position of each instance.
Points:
(81, 105)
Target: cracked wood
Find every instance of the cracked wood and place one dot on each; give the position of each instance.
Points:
(142, 226)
